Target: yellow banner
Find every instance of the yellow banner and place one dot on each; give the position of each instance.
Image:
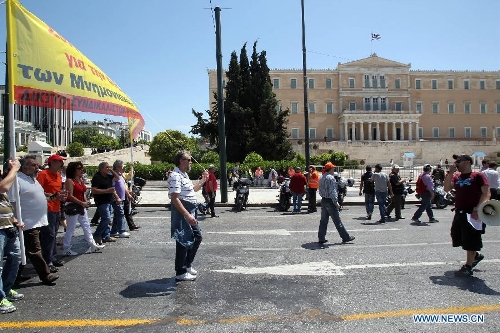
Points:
(46, 70)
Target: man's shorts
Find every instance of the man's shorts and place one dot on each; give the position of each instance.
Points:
(463, 234)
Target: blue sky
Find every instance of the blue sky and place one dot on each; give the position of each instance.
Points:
(159, 51)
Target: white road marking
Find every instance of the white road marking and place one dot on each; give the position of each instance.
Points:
(326, 268)
(349, 230)
(275, 232)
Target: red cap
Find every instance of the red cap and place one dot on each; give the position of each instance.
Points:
(329, 165)
(55, 157)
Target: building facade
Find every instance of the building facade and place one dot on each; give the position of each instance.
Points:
(113, 129)
(376, 99)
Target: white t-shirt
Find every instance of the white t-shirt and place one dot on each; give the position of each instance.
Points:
(32, 200)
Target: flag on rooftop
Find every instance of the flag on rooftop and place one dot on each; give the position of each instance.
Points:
(375, 36)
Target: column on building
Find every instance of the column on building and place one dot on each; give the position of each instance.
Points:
(409, 131)
(370, 137)
(378, 131)
(402, 130)
(353, 131)
(416, 131)
(361, 131)
(346, 133)
(394, 131)
(386, 134)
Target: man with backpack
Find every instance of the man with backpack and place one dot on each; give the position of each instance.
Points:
(368, 188)
(425, 188)
(383, 188)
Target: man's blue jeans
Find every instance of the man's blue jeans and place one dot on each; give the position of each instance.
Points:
(102, 230)
(9, 246)
(381, 196)
(297, 201)
(329, 209)
(424, 205)
(119, 224)
(369, 203)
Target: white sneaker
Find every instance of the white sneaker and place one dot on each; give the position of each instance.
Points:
(123, 235)
(191, 271)
(185, 277)
(68, 253)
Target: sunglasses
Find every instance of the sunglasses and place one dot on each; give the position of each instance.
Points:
(187, 159)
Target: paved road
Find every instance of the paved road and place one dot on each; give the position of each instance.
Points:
(262, 271)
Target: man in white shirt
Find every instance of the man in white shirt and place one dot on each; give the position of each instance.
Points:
(492, 175)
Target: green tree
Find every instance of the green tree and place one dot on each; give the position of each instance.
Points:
(75, 149)
(101, 141)
(84, 135)
(253, 121)
(166, 144)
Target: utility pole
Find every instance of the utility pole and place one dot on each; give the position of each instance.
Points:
(304, 73)
(220, 109)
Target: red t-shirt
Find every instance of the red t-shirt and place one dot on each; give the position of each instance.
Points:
(213, 180)
(468, 189)
(297, 183)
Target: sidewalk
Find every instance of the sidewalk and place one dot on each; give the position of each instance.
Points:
(155, 194)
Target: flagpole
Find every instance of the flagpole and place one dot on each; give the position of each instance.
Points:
(12, 130)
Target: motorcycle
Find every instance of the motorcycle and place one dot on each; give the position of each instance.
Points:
(285, 195)
(439, 195)
(241, 186)
(135, 189)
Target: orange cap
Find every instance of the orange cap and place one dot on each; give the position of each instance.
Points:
(329, 166)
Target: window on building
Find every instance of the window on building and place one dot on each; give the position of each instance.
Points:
(375, 103)
(276, 83)
(451, 84)
(312, 133)
(328, 83)
(352, 83)
(466, 84)
(467, 107)
(278, 108)
(484, 132)
(498, 107)
(467, 132)
(295, 107)
(367, 104)
(451, 107)
(311, 84)
(312, 107)
(329, 108)
(498, 132)
(223, 83)
(434, 84)
(382, 81)
(435, 107)
(418, 107)
(329, 133)
(352, 106)
(383, 104)
(367, 81)
(398, 106)
(482, 108)
(451, 132)
(294, 133)
(421, 132)
(482, 84)
(397, 83)
(374, 81)
(435, 132)
(418, 84)
(497, 84)
(293, 83)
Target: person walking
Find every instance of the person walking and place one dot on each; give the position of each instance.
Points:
(493, 180)
(330, 206)
(466, 229)
(382, 186)
(9, 243)
(211, 189)
(104, 193)
(426, 194)
(367, 187)
(184, 226)
(397, 185)
(119, 226)
(297, 185)
(312, 185)
(75, 187)
(33, 204)
(51, 180)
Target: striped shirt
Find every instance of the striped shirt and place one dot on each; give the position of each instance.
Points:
(179, 182)
(328, 187)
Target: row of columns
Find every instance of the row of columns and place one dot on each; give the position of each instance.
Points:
(386, 131)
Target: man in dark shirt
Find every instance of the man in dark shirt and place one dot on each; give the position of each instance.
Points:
(397, 189)
(438, 173)
(104, 193)
(368, 188)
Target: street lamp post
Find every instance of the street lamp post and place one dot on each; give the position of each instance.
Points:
(304, 72)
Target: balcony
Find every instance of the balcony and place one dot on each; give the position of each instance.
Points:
(379, 112)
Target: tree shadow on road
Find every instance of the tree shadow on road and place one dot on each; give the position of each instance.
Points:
(152, 288)
(469, 283)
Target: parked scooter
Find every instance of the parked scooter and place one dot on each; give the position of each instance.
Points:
(285, 195)
(241, 186)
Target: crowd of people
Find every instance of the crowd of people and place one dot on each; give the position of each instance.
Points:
(47, 197)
